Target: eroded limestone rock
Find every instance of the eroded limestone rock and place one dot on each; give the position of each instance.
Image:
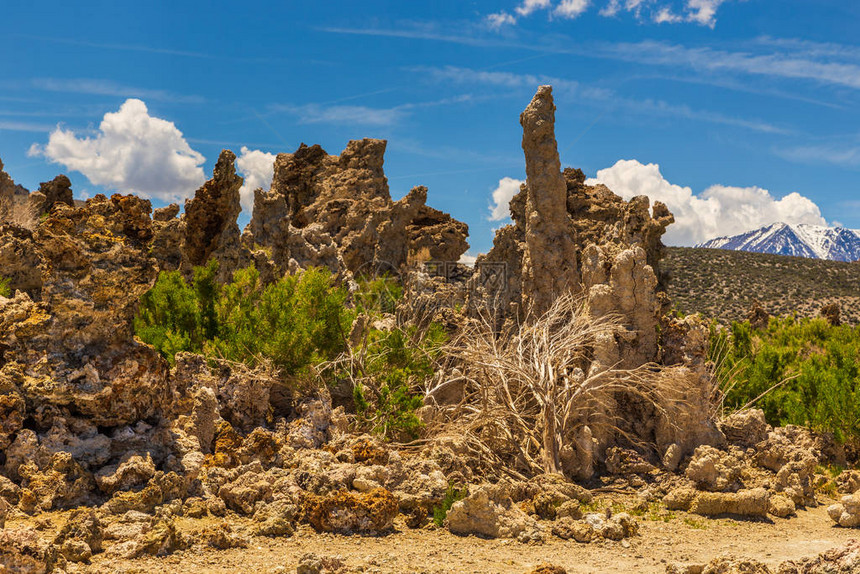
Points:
(350, 512)
(489, 511)
(337, 212)
(549, 259)
(714, 469)
(58, 190)
(210, 216)
(846, 512)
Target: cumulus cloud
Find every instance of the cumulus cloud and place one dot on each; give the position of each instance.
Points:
(132, 152)
(718, 211)
(257, 167)
(467, 259)
(502, 195)
(571, 8)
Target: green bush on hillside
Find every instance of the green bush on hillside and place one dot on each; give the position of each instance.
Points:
(5, 291)
(807, 370)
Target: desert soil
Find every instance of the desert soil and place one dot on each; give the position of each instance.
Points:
(667, 538)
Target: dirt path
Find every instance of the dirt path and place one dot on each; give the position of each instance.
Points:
(683, 538)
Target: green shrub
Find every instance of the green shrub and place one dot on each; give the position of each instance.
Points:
(807, 370)
(5, 291)
(396, 365)
(298, 321)
(453, 495)
(295, 322)
(174, 316)
(378, 295)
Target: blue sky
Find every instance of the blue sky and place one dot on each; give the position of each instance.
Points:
(748, 107)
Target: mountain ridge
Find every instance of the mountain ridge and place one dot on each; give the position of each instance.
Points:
(798, 240)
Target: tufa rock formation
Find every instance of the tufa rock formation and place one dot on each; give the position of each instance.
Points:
(568, 237)
(7, 190)
(58, 190)
(210, 217)
(337, 211)
(549, 263)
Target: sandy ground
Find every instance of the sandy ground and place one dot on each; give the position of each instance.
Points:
(663, 539)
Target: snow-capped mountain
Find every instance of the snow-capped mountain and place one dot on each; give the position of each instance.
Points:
(801, 240)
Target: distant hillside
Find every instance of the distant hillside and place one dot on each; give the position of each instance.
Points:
(801, 240)
(723, 284)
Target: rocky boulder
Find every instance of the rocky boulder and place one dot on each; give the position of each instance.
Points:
(350, 512)
(489, 511)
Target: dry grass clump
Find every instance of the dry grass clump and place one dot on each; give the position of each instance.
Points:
(532, 391)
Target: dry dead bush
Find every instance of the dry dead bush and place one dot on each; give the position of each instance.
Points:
(530, 392)
(19, 214)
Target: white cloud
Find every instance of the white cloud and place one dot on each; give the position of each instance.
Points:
(362, 115)
(502, 195)
(356, 115)
(257, 167)
(665, 16)
(703, 12)
(467, 259)
(719, 210)
(496, 21)
(571, 8)
(24, 127)
(132, 152)
(611, 9)
(614, 7)
(780, 64)
(529, 6)
(845, 156)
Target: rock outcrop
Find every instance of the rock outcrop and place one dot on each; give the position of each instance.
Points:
(210, 217)
(846, 512)
(571, 238)
(567, 237)
(58, 190)
(549, 264)
(336, 211)
(7, 190)
(490, 511)
(68, 342)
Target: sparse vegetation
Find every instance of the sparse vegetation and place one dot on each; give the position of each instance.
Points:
(388, 368)
(5, 290)
(723, 284)
(453, 495)
(396, 366)
(799, 371)
(300, 323)
(527, 393)
(695, 523)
